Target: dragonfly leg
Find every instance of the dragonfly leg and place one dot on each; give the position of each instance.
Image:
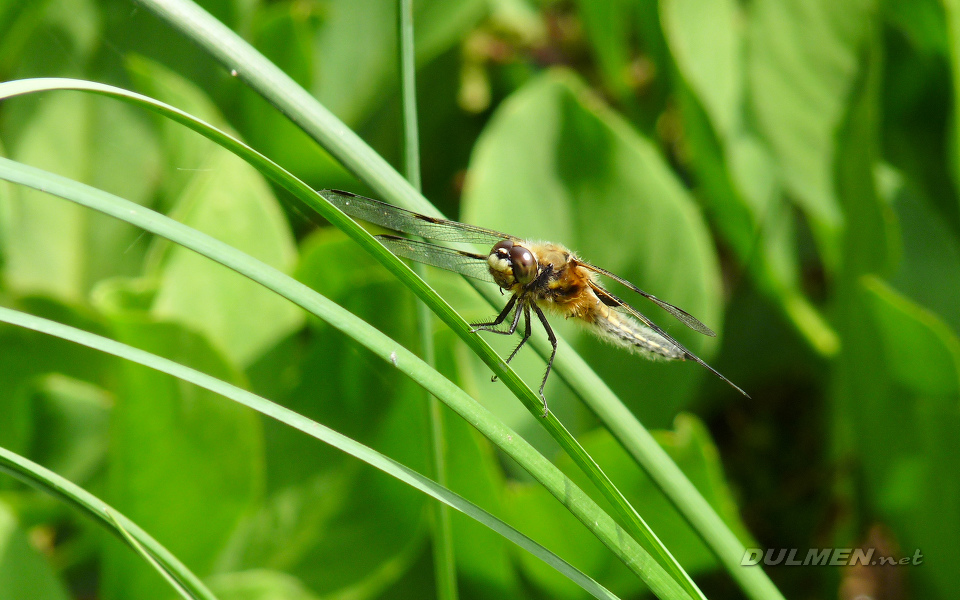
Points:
(526, 332)
(492, 325)
(553, 342)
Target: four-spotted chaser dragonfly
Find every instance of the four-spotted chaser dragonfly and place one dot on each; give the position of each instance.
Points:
(538, 275)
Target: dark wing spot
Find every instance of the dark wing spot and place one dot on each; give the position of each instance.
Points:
(608, 300)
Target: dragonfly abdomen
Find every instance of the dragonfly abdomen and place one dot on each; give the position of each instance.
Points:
(624, 331)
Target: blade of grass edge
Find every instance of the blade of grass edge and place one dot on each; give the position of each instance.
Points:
(47, 481)
(310, 198)
(337, 138)
(342, 143)
(444, 559)
(132, 541)
(37, 475)
(623, 545)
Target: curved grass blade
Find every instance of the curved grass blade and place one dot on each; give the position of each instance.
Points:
(47, 481)
(444, 560)
(360, 159)
(625, 547)
(138, 547)
(636, 526)
(283, 415)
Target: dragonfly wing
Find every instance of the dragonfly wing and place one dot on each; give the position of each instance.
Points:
(618, 304)
(680, 314)
(458, 261)
(405, 221)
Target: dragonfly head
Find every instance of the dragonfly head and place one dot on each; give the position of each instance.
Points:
(511, 263)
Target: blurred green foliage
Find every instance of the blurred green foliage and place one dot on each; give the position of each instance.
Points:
(783, 169)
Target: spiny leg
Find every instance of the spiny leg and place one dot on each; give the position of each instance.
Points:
(491, 326)
(553, 342)
(526, 332)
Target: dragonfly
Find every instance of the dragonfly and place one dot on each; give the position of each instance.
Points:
(539, 276)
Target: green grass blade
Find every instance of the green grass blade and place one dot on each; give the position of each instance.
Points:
(47, 481)
(635, 524)
(444, 560)
(295, 102)
(138, 547)
(609, 532)
(408, 92)
(36, 475)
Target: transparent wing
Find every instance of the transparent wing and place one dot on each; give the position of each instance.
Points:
(681, 315)
(405, 221)
(612, 301)
(458, 261)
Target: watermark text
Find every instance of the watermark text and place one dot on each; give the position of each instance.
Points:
(823, 557)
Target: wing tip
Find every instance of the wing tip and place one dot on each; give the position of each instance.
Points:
(718, 374)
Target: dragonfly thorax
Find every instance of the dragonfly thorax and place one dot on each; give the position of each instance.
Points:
(511, 264)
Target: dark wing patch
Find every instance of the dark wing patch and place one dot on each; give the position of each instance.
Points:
(405, 221)
(680, 314)
(458, 261)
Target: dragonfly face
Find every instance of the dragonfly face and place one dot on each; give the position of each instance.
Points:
(512, 264)
(539, 276)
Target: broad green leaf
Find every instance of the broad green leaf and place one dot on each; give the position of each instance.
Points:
(80, 19)
(233, 203)
(555, 164)
(27, 31)
(909, 430)
(259, 584)
(706, 41)
(218, 193)
(331, 524)
(59, 249)
(922, 21)
(37, 476)
(25, 358)
(921, 351)
(284, 33)
(740, 186)
(691, 447)
(329, 377)
(184, 152)
(484, 562)
(625, 547)
(71, 426)
(952, 9)
(184, 464)
(344, 529)
(607, 26)
(929, 266)
(24, 573)
(352, 83)
(803, 59)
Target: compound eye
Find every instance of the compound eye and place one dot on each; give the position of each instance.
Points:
(502, 249)
(524, 264)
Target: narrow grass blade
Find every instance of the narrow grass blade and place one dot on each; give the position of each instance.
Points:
(635, 524)
(132, 541)
(47, 481)
(609, 532)
(444, 561)
(34, 474)
(295, 102)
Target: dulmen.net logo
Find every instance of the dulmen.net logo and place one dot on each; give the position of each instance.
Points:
(824, 557)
